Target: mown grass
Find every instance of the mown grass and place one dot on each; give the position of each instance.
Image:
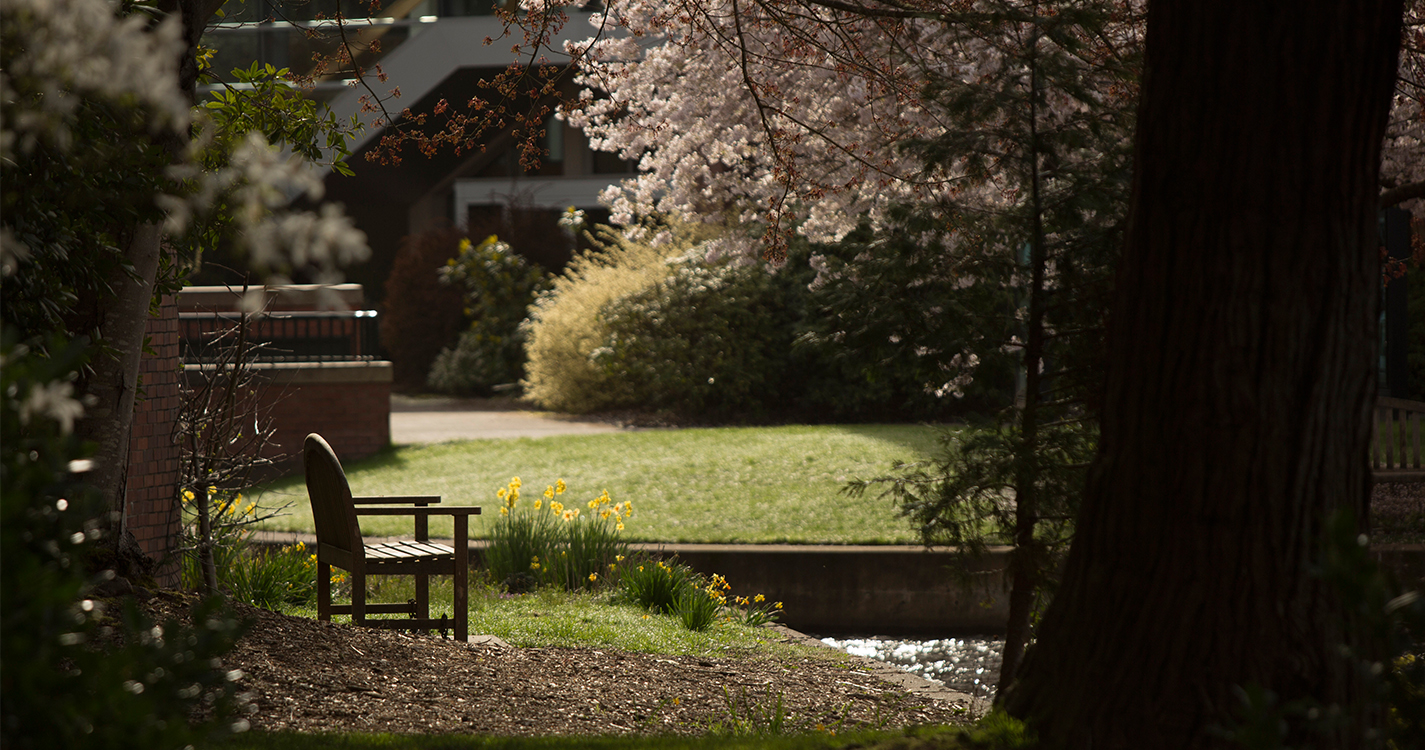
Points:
(719, 485)
(552, 617)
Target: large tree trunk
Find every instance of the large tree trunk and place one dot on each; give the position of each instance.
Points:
(1239, 383)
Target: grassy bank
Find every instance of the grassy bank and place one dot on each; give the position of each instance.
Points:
(732, 485)
(554, 618)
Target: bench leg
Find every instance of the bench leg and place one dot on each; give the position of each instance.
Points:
(462, 573)
(423, 596)
(358, 597)
(324, 591)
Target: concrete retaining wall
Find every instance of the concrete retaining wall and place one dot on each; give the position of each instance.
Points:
(874, 590)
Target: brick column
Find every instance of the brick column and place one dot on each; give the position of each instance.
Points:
(151, 508)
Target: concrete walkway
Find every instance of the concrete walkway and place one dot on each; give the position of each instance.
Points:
(427, 419)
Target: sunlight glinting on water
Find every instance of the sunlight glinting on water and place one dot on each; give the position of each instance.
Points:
(969, 665)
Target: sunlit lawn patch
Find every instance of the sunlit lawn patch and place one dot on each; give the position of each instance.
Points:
(733, 485)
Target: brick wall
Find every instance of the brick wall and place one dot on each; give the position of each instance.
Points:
(348, 403)
(151, 513)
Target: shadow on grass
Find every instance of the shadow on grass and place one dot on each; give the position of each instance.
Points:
(920, 442)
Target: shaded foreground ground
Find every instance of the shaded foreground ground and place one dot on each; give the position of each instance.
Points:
(310, 676)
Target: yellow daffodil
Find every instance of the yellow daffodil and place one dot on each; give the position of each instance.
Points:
(500, 493)
(504, 511)
(759, 598)
(593, 504)
(187, 495)
(515, 483)
(619, 527)
(538, 504)
(556, 507)
(618, 558)
(559, 487)
(593, 577)
(549, 492)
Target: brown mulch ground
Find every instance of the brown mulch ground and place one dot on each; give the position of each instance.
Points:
(312, 676)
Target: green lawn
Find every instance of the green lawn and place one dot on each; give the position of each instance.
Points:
(731, 484)
(554, 618)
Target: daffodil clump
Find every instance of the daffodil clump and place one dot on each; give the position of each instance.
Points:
(673, 588)
(230, 515)
(545, 542)
(271, 578)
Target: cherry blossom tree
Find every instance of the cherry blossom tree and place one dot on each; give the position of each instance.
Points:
(1005, 123)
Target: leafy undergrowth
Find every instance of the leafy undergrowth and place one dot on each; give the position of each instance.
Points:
(994, 732)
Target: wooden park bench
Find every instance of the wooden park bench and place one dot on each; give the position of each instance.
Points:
(339, 543)
(1397, 440)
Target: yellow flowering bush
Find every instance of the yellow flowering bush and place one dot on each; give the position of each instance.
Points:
(545, 542)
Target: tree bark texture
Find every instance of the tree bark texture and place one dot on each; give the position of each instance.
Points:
(1239, 384)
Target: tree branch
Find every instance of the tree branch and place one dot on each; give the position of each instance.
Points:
(1401, 194)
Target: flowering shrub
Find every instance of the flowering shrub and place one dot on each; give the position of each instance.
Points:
(546, 543)
(709, 339)
(566, 323)
(498, 286)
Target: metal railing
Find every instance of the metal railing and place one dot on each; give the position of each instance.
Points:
(298, 336)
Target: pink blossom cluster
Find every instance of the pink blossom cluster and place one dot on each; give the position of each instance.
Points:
(793, 113)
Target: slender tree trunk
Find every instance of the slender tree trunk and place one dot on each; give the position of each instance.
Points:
(1239, 383)
(1026, 559)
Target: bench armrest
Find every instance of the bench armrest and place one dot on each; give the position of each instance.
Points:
(449, 510)
(394, 499)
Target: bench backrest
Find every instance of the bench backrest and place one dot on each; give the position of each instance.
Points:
(332, 508)
(1399, 435)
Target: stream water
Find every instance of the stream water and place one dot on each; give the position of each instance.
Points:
(969, 665)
